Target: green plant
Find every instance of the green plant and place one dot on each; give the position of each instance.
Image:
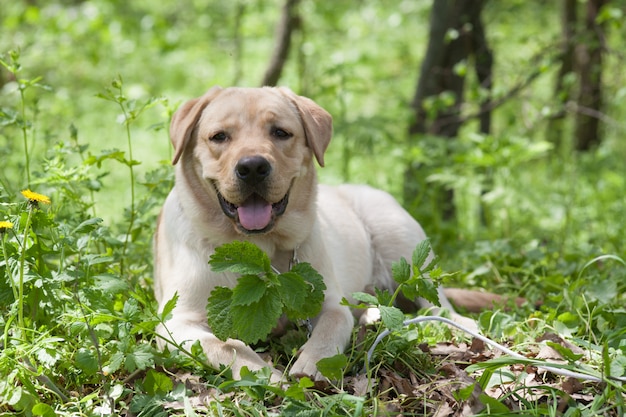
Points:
(419, 279)
(131, 111)
(13, 65)
(252, 308)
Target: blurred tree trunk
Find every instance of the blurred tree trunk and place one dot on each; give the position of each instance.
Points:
(289, 22)
(456, 34)
(563, 89)
(240, 11)
(589, 68)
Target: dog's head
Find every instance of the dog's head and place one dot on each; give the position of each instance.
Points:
(250, 148)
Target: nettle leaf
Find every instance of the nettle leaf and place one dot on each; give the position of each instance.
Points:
(422, 287)
(249, 289)
(110, 284)
(252, 308)
(218, 312)
(157, 383)
(255, 321)
(114, 363)
(241, 258)
(421, 252)
(384, 297)
(293, 291)
(365, 298)
(401, 271)
(48, 356)
(391, 317)
(332, 368)
(86, 361)
(141, 358)
(315, 289)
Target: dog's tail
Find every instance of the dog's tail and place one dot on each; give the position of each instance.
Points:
(475, 301)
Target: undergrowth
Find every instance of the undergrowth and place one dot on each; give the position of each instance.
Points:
(78, 314)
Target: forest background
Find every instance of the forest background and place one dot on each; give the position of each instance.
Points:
(498, 124)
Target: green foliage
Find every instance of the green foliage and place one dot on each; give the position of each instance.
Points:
(533, 219)
(252, 308)
(413, 282)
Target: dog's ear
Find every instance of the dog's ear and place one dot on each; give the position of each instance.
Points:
(185, 119)
(318, 123)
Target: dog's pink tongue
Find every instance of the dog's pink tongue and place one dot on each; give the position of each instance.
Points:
(255, 213)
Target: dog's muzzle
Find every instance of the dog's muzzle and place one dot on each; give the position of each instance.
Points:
(255, 214)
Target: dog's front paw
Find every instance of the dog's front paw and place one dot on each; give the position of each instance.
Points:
(306, 365)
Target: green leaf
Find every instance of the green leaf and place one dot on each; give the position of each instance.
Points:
(315, 289)
(86, 361)
(110, 284)
(249, 289)
(168, 308)
(297, 391)
(141, 358)
(420, 254)
(157, 383)
(365, 298)
(293, 291)
(603, 290)
(384, 297)
(252, 308)
(115, 362)
(464, 394)
(218, 312)
(255, 321)
(401, 271)
(87, 226)
(564, 352)
(44, 410)
(240, 257)
(131, 310)
(421, 287)
(47, 356)
(332, 368)
(493, 406)
(392, 317)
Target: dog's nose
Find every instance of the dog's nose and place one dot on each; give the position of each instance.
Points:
(253, 169)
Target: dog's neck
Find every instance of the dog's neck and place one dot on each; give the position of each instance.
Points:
(283, 261)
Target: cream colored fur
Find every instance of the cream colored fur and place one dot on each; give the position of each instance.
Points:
(350, 234)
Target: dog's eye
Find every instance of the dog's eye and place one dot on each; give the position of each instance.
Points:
(280, 133)
(219, 137)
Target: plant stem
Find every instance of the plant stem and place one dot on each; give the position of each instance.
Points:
(132, 190)
(15, 293)
(8, 269)
(25, 133)
(20, 290)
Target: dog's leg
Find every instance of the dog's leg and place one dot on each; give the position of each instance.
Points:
(332, 331)
(332, 328)
(234, 353)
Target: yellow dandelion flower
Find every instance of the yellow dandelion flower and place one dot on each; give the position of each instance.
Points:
(4, 226)
(33, 197)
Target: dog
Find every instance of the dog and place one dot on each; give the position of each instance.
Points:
(245, 170)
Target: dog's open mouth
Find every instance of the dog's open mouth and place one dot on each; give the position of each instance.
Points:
(255, 214)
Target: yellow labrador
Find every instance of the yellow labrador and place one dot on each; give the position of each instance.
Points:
(245, 171)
